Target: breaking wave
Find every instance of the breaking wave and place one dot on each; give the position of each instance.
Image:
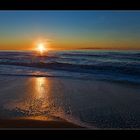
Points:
(103, 65)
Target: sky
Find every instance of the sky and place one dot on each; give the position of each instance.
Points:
(22, 30)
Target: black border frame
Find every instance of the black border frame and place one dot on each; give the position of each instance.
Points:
(69, 5)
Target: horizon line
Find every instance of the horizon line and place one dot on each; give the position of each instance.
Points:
(102, 49)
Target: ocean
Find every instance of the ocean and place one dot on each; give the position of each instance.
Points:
(119, 66)
(94, 88)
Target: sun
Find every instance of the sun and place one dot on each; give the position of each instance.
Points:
(41, 48)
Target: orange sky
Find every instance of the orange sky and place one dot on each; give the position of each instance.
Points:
(31, 45)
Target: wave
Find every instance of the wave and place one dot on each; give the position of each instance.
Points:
(105, 55)
(118, 66)
(105, 67)
(32, 75)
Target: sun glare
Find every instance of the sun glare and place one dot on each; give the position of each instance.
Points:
(41, 48)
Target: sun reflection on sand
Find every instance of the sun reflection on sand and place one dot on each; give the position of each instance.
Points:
(39, 100)
(40, 89)
(36, 100)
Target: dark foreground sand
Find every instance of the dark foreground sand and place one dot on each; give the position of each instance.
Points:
(36, 122)
(29, 123)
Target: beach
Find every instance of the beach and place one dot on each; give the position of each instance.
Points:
(67, 102)
(33, 123)
(70, 70)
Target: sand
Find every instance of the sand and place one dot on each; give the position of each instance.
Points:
(33, 123)
(77, 103)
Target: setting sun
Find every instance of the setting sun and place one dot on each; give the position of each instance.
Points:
(41, 48)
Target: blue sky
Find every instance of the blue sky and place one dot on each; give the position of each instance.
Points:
(71, 28)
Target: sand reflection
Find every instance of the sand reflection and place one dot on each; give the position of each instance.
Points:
(41, 86)
(39, 101)
(37, 98)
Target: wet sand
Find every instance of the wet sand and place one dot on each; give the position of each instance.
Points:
(76, 103)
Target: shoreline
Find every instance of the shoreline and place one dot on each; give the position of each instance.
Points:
(78, 102)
